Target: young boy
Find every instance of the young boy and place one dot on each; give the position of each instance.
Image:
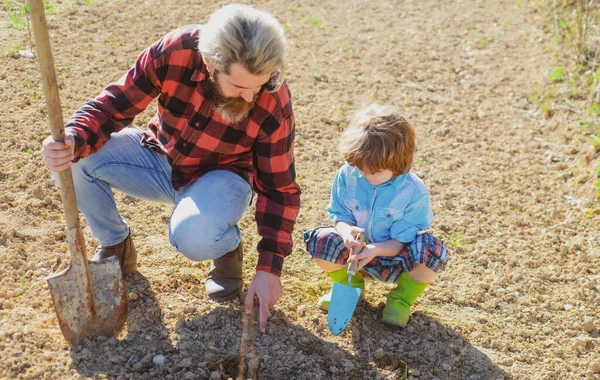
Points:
(375, 194)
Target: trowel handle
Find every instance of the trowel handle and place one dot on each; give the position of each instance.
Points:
(352, 268)
(353, 264)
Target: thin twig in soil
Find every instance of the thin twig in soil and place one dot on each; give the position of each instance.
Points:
(248, 333)
(29, 31)
(568, 107)
(253, 360)
(242, 365)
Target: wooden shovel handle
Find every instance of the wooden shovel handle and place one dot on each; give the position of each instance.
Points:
(40, 30)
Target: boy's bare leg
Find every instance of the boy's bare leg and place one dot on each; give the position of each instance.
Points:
(328, 266)
(422, 274)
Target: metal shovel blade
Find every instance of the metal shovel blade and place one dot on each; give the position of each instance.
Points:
(89, 305)
(341, 307)
(89, 297)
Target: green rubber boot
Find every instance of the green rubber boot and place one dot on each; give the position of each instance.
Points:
(341, 277)
(400, 299)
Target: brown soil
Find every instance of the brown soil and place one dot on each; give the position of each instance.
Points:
(510, 188)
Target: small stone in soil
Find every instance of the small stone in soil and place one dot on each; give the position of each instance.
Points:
(187, 362)
(588, 325)
(348, 366)
(159, 360)
(26, 54)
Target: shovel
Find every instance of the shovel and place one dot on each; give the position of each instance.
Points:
(344, 298)
(89, 297)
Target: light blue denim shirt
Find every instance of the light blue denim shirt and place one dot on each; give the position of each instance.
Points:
(396, 209)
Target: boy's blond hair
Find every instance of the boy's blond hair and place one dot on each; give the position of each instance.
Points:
(379, 138)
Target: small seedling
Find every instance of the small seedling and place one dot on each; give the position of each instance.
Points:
(12, 49)
(456, 240)
(557, 74)
(316, 22)
(17, 21)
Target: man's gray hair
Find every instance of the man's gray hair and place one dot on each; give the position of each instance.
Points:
(242, 34)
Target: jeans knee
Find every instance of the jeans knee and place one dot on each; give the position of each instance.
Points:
(198, 242)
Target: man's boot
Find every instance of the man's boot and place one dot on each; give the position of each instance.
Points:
(125, 252)
(224, 280)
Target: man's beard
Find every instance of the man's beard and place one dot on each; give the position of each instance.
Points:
(232, 110)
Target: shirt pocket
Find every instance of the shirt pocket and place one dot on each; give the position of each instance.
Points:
(172, 123)
(384, 217)
(359, 210)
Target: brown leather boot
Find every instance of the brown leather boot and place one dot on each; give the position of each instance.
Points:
(224, 279)
(125, 252)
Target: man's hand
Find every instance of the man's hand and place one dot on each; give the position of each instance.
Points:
(266, 287)
(58, 156)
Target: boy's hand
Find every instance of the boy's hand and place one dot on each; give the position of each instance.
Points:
(350, 238)
(368, 253)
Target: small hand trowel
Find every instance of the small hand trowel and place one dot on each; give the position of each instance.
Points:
(344, 298)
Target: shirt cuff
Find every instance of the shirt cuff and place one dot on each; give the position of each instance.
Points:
(333, 218)
(270, 262)
(79, 142)
(406, 236)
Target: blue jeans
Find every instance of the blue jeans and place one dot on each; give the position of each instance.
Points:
(203, 224)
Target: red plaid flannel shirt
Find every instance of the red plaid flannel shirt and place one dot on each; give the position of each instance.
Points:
(196, 140)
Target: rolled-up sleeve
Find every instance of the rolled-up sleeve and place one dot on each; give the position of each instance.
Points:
(336, 209)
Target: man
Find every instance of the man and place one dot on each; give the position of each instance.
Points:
(224, 126)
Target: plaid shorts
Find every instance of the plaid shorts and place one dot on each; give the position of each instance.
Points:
(326, 244)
